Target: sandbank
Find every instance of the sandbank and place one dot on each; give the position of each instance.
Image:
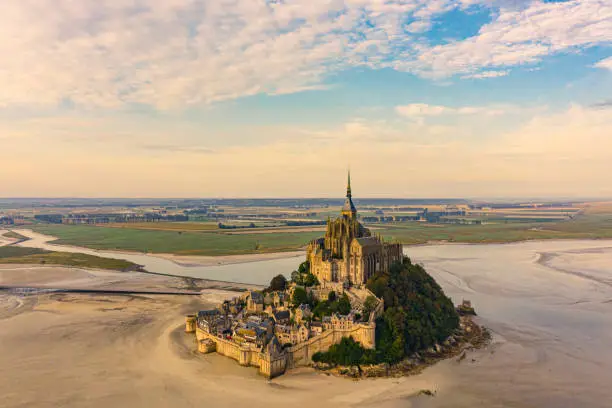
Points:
(75, 350)
(191, 260)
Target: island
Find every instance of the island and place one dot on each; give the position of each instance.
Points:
(356, 301)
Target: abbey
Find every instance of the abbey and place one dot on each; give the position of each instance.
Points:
(349, 253)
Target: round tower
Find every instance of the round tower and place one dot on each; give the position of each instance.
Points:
(190, 323)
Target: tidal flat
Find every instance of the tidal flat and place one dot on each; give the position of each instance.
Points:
(548, 305)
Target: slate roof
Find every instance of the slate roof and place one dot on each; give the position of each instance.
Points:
(304, 307)
(208, 313)
(282, 315)
(367, 241)
(256, 297)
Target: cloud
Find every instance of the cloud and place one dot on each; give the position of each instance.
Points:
(520, 36)
(567, 152)
(604, 64)
(486, 74)
(183, 52)
(423, 109)
(175, 53)
(602, 105)
(168, 148)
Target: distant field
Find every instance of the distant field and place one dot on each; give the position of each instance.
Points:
(19, 255)
(594, 222)
(179, 242)
(193, 238)
(168, 226)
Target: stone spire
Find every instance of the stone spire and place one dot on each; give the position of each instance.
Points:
(349, 208)
(348, 186)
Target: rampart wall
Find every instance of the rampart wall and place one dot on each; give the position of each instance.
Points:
(246, 355)
(296, 356)
(301, 354)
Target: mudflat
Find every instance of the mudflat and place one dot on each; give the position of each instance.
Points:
(74, 350)
(547, 304)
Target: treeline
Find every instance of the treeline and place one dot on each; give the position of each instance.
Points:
(108, 218)
(49, 218)
(285, 223)
(417, 315)
(304, 223)
(228, 226)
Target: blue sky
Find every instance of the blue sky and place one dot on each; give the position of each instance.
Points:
(235, 98)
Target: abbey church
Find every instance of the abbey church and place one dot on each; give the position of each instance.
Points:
(349, 253)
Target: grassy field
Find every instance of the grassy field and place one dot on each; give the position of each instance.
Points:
(186, 239)
(19, 255)
(176, 242)
(14, 235)
(595, 222)
(168, 226)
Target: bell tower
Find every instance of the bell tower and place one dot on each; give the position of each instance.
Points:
(349, 210)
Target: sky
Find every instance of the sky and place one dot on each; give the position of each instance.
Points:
(278, 98)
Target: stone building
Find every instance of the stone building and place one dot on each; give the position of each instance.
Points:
(302, 313)
(349, 253)
(254, 301)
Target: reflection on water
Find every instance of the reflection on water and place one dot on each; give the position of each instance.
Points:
(548, 303)
(259, 272)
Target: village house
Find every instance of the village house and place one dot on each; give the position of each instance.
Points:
(255, 301)
(302, 313)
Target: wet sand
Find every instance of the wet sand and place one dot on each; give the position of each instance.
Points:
(196, 260)
(100, 351)
(548, 304)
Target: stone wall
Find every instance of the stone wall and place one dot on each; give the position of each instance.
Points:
(246, 355)
(301, 354)
(297, 356)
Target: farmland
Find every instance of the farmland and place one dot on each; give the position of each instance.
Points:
(196, 238)
(176, 242)
(19, 255)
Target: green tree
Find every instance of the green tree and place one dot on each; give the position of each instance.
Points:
(331, 296)
(344, 304)
(348, 353)
(296, 278)
(299, 297)
(368, 306)
(310, 280)
(278, 283)
(417, 313)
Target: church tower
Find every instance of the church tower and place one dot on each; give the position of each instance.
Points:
(348, 253)
(349, 209)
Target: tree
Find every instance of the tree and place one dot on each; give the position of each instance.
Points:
(299, 297)
(368, 306)
(348, 353)
(331, 296)
(296, 277)
(417, 313)
(344, 305)
(304, 267)
(310, 280)
(278, 283)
